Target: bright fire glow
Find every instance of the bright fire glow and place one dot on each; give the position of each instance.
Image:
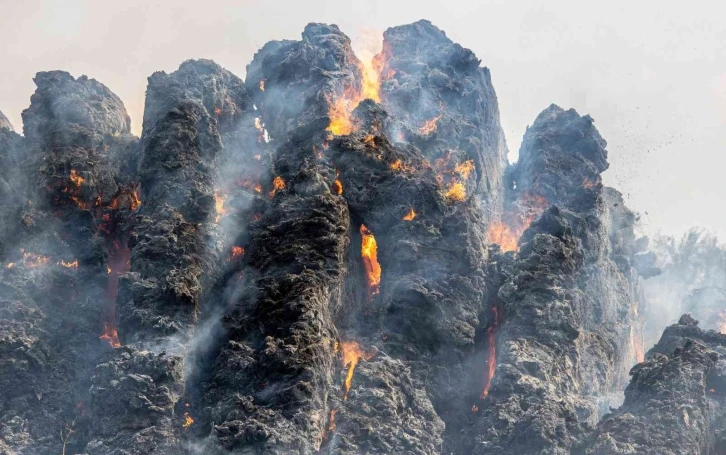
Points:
(352, 353)
(369, 253)
(371, 63)
(188, 421)
(135, 200)
(69, 265)
(32, 260)
(237, 252)
(456, 192)
(338, 186)
(219, 199)
(277, 184)
(76, 179)
(410, 215)
(464, 169)
(400, 166)
(507, 234)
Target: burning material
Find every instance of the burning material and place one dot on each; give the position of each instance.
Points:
(277, 184)
(69, 265)
(262, 134)
(237, 253)
(76, 179)
(492, 357)
(118, 262)
(10, 265)
(456, 192)
(507, 234)
(32, 260)
(219, 199)
(135, 201)
(409, 216)
(400, 166)
(188, 420)
(371, 64)
(338, 186)
(369, 253)
(429, 126)
(464, 169)
(262, 85)
(722, 316)
(331, 421)
(352, 353)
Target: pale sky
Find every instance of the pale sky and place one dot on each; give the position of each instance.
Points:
(651, 73)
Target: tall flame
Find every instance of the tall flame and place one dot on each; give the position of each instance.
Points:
(352, 353)
(369, 253)
(492, 347)
(371, 64)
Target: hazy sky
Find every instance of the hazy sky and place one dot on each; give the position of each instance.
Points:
(651, 73)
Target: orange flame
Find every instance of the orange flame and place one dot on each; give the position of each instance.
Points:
(32, 260)
(237, 252)
(219, 199)
(371, 63)
(338, 186)
(352, 353)
(188, 421)
(456, 192)
(409, 216)
(400, 166)
(429, 126)
(110, 334)
(277, 184)
(69, 265)
(135, 201)
(76, 179)
(492, 360)
(217, 110)
(507, 234)
(369, 253)
(464, 169)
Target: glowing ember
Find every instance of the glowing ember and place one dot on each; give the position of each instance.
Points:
(409, 216)
(588, 183)
(76, 179)
(237, 252)
(492, 346)
(352, 353)
(188, 421)
(277, 184)
(456, 192)
(10, 265)
(338, 186)
(369, 253)
(262, 85)
(69, 265)
(219, 199)
(429, 126)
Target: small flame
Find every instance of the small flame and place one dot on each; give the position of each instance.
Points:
(135, 201)
(219, 199)
(331, 421)
(338, 186)
(456, 192)
(429, 126)
(188, 421)
(409, 216)
(474, 408)
(10, 265)
(277, 184)
(352, 353)
(464, 169)
(262, 85)
(492, 359)
(70, 265)
(237, 252)
(400, 166)
(507, 234)
(32, 260)
(110, 334)
(369, 253)
(76, 178)
(217, 110)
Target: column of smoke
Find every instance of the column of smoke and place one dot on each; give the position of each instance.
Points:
(693, 266)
